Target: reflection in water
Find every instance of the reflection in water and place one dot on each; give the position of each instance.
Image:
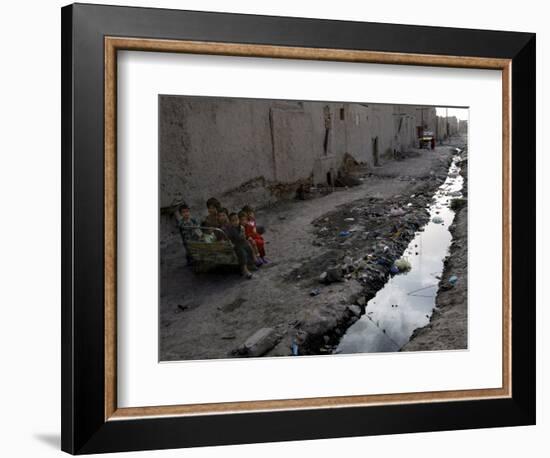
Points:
(407, 300)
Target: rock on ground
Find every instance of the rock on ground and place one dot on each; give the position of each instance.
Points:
(259, 343)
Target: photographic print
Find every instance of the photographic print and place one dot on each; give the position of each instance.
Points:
(292, 228)
(262, 228)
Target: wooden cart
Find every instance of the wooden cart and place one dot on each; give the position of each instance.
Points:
(207, 255)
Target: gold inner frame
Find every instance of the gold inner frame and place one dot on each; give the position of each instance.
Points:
(114, 44)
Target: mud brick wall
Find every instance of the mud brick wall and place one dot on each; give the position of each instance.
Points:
(212, 146)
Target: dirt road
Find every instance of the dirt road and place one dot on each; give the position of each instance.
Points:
(212, 315)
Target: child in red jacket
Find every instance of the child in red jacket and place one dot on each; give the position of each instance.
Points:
(252, 234)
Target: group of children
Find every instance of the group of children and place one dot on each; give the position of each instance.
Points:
(240, 228)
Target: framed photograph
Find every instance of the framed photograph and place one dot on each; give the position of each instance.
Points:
(284, 228)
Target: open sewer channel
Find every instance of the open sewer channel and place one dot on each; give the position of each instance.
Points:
(407, 300)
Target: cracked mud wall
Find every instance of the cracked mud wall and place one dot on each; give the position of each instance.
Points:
(238, 150)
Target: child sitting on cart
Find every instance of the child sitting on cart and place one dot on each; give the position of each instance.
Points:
(252, 234)
(211, 220)
(235, 233)
(223, 224)
(188, 227)
(243, 219)
(213, 206)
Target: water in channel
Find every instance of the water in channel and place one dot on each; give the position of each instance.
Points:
(407, 300)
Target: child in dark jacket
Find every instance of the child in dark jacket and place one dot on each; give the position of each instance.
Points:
(210, 223)
(235, 233)
(213, 206)
(188, 227)
(223, 224)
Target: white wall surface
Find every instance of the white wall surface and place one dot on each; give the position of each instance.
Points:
(30, 229)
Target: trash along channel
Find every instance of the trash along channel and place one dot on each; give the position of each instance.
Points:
(407, 300)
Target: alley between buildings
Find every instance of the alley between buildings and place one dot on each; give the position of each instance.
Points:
(330, 255)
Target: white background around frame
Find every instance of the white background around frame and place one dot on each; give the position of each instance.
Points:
(142, 381)
(30, 253)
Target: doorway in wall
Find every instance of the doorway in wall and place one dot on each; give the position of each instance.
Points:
(375, 156)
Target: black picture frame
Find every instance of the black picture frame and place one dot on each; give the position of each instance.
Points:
(84, 428)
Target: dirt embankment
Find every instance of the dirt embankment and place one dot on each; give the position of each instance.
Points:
(448, 326)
